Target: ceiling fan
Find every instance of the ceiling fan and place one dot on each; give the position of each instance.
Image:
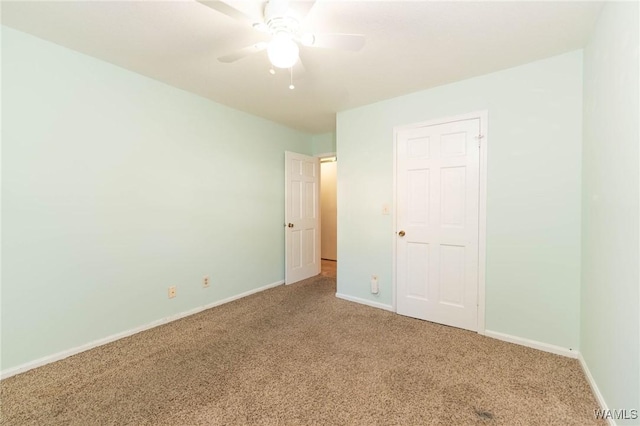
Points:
(283, 20)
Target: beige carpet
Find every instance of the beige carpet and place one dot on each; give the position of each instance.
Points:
(298, 355)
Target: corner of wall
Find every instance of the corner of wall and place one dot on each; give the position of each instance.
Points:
(324, 143)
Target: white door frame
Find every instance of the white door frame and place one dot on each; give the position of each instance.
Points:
(321, 157)
(482, 204)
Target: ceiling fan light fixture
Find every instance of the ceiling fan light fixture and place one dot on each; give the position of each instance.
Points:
(283, 51)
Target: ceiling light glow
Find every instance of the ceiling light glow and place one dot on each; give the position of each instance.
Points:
(283, 51)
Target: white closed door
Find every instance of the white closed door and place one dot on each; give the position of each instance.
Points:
(302, 217)
(437, 190)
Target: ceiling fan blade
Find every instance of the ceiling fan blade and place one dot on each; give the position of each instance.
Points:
(244, 52)
(301, 8)
(228, 10)
(353, 42)
(299, 70)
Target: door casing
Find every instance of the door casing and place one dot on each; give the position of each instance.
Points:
(328, 155)
(482, 203)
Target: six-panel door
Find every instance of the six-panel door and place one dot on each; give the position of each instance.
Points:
(437, 196)
(302, 217)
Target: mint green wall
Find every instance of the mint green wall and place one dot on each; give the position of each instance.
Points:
(533, 201)
(610, 320)
(115, 187)
(324, 143)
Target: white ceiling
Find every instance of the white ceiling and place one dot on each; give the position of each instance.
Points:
(409, 46)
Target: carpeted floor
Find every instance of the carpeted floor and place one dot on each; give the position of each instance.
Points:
(299, 355)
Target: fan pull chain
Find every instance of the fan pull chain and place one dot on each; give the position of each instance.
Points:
(291, 86)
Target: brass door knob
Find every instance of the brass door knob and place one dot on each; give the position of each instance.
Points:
(401, 233)
(290, 225)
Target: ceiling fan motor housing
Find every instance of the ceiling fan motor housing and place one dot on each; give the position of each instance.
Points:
(278, 18)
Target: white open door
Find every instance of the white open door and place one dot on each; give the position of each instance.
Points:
(302, 217)
(437, 191)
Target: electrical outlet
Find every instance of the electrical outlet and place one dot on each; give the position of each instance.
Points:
(172, 292)
(374, 284)
(205, 282)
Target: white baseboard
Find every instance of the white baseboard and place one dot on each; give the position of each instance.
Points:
(546, 347)
(558, 350)
(364, 302)
(594, 387)
(73, 351)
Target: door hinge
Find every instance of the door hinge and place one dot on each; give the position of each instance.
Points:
(479, 139)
